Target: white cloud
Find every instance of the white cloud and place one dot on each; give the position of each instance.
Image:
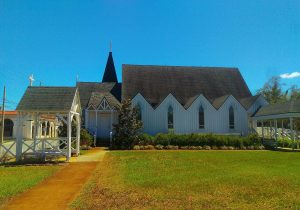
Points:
(290, 76)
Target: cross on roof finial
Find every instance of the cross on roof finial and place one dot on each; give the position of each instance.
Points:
(31, 79)
(110, 46)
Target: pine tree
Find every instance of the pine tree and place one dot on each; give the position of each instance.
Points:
(127, 131)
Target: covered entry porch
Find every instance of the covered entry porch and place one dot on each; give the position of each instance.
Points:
(53, 116)
(279, 121)
(101, 114)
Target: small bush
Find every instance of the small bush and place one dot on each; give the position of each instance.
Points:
(223, 147)
(199, 148)
(184, 147)
(206, 147)
(192, 147)
(171, 147)
(86, 139)
(230, 148)
(159, 147)
(243, 148)
(214, 148)
(149, 147)
(136, 147)
(250, 147)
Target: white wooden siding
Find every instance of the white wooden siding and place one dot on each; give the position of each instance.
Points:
(186, 121)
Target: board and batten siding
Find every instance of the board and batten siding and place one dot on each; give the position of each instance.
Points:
(187, 120)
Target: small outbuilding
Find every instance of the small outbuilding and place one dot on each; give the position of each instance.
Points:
(279, 120)
(48, 123)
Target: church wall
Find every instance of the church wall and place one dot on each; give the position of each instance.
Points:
(186, 121)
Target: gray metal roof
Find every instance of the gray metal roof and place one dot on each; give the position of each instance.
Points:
(154, 83)
(47, 99)
(97, 97)
(280, 108)
(87, 88)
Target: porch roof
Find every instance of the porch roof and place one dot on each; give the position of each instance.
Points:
(47, 99)
(280, 110)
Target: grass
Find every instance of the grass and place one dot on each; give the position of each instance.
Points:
(194, 180)
(16, 179)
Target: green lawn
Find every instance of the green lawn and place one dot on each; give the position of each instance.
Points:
(16, 179)
(194, 180)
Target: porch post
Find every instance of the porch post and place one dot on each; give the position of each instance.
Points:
(96, 111)
(111, 122)
(292, 131)
(86, 115)
(254, 125)
(69, 136)
(282, 128)
(36, 129)
(275, 122)
(262, 130)
(78, 135)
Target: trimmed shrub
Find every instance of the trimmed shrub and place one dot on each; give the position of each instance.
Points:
(206, 147)
(250, 147)
(145, 139)
(149, 147)
(202, 141)
(171, 147)
(159, 147)
(223, 147)
(136, 147)
(86, 139)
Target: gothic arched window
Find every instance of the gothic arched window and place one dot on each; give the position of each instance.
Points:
(201, 117)
(170, 118)
(231, 118)
(138, 112)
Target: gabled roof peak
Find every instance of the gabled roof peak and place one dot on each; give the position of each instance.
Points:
(110, 71)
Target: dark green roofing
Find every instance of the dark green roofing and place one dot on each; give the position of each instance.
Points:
(249, 101)
(97, 97)
(280, 108)
(47, 99)
(218, 102)
(87, 88)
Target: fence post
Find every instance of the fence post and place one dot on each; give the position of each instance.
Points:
(19, 140)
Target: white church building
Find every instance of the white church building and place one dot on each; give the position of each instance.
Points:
(179, 99)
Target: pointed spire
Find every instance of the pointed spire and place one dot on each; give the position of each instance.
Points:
(110, 71)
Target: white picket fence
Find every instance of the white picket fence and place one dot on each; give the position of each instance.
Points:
(41, 148)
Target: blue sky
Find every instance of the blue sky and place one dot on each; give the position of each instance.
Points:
(58, 39)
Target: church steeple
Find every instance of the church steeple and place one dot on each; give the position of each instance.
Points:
(110, 71)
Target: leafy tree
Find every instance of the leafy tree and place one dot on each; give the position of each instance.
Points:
(294, 93)
(128, 128)
(272, 91)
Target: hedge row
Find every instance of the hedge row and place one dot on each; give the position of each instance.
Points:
(172, 147)
(202, 140)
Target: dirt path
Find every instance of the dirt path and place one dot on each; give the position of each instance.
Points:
(59, 190)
